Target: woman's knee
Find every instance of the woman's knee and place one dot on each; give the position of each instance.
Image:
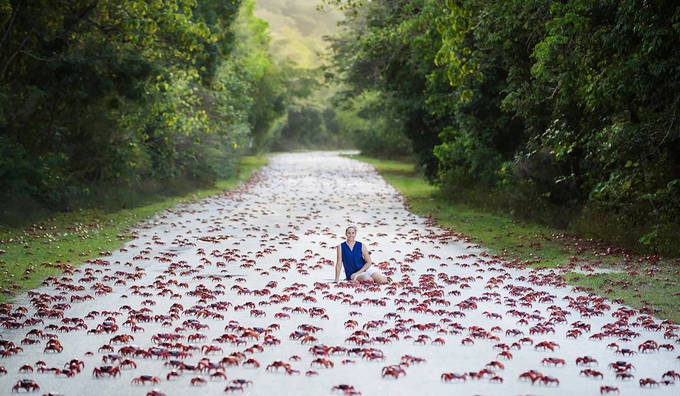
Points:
(379, 278)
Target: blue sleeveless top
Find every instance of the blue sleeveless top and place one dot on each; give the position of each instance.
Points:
(352, 259)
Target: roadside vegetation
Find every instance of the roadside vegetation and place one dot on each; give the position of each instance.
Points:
(31, 254)
(645, 282)
(562, 113)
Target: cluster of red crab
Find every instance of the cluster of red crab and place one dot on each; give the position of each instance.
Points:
(420, 296)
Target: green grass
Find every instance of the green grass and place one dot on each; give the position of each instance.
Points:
(45, 249)
(658, 296)
(644, 282)
(389, 167)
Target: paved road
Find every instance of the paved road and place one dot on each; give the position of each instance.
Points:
(259, 260)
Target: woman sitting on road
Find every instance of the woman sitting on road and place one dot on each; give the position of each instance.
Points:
(354, 257)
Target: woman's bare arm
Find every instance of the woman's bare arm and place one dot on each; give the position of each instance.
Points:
(338, 263)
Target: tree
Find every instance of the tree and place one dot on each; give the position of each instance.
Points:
(591, 86)
(388, 47)
(101, 96)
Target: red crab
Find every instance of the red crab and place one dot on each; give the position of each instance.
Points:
(111, 371)
(553, 361)
(547, 380)
(207, 349)
(143, 379)
(592, 373)
(198, 381)
(320, 362)
(671, 375)
(127, 363)
(173, 374)
(218, 375)
(27, 384)
(648, 381)
(448, 377)
(346, 389)
(496, 364)
(241, 382)
(251, 362)
(585, 360)
(625, 351)
(393, 371)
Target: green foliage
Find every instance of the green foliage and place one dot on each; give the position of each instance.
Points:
(389, 47)
(559, 111)
(305, 128)
(460, 60)
(374, 129)
(464, 159)
(104, 99)
(587, 86)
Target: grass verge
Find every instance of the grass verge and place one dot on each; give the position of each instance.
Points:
(647, 283)
(29, 255)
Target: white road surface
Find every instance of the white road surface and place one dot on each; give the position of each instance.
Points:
(261, 259)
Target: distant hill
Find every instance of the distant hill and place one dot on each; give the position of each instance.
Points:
(297, 29)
